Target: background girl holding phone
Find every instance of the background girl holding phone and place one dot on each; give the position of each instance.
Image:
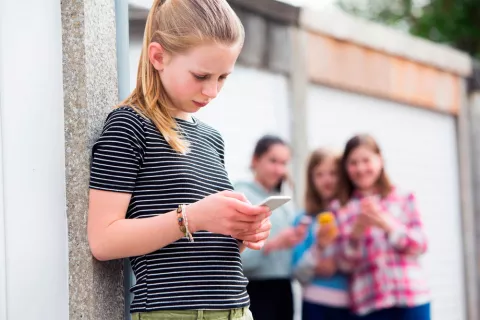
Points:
(269, 270)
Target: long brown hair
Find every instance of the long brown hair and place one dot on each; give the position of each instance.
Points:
(314, 203)
(178, 26)
(346, 186)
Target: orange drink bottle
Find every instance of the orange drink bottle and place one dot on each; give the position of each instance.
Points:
(328, 218)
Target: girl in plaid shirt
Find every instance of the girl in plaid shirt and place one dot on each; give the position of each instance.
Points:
(381, 238)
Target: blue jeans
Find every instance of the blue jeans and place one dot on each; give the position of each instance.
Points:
(312, 311)
(416, 313)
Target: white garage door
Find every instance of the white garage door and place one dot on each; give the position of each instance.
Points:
(420, 150)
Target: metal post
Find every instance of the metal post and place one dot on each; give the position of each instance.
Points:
(3, 260)
(123, 68)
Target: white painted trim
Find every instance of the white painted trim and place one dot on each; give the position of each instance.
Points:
(336, 23)
(3, 260)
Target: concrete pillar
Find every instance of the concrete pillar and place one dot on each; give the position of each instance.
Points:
(474, 118)
(467, 205)
(90, 92)
(298, 101)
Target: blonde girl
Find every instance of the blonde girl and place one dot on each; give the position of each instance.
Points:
(159, 192)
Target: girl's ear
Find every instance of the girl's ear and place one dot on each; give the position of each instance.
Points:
(157, 56)
(253, 163)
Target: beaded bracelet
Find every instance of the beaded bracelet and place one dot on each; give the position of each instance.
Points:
(183, 221)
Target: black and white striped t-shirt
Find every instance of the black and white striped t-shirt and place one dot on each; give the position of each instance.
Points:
(132, 156)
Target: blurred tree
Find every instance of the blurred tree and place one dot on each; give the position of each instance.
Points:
(452, 22)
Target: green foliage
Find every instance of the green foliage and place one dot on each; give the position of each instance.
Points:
(452, 22)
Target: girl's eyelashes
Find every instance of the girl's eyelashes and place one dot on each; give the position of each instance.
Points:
(205, 77)
(199, 76)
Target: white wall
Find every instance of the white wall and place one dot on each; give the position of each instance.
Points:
(420, 151)
(32, 162)
(252, 103)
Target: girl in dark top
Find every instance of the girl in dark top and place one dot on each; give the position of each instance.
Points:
(159, 192)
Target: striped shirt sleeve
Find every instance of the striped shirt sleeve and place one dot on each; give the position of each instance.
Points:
(118, 152)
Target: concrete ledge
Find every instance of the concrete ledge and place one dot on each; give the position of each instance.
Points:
(273, 10)
(337, 24)
(359, 69)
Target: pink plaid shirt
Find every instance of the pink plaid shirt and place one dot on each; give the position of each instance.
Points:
(385, 271)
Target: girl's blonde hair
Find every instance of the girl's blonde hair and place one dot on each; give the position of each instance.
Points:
(314, 202)
(178, 26)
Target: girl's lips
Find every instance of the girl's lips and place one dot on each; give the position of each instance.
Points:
(200, 104)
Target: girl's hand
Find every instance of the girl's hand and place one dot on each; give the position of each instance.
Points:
(256, 240)
(375, 216)
(382, 220)
(369, 205)
(362, 223)
(230, 213)
(287, 238)
(326, 234)
(326, 267)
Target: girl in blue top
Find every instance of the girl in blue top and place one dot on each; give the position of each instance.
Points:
(325, 291)
(269, 270)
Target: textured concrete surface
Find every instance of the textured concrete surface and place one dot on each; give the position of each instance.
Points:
(90, 92)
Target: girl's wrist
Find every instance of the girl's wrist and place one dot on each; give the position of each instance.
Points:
(194, 219)
(388, 224)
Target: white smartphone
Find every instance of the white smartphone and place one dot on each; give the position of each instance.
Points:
(274, 202)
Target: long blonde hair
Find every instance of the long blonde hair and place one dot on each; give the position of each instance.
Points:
(178, 26)
(314, 203)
